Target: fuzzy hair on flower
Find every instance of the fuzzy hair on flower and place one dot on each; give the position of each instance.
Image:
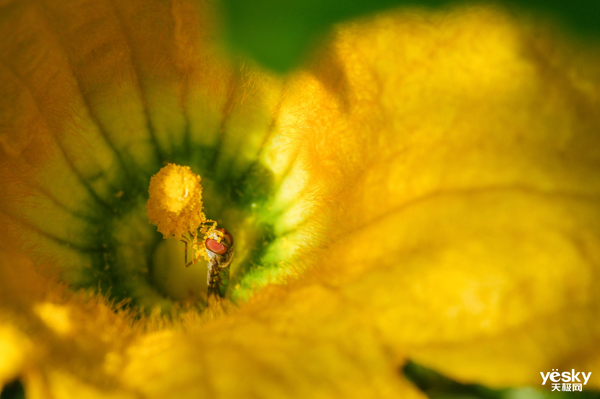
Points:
(422, 188)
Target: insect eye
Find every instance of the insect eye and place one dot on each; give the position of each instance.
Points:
(215, 246)
(227, 236)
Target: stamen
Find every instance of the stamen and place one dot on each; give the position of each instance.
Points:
(175, 204)
(175, 207)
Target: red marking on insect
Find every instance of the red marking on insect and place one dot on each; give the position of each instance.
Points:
(215, 246)
(222, 247)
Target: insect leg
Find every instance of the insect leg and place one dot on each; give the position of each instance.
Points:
(185, 240)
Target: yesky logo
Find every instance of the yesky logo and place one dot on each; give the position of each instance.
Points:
(570, 380)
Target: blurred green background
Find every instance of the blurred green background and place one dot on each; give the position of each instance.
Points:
(279, 33)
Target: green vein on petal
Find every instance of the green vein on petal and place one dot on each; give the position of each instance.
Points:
(238, 193)
(129, 103)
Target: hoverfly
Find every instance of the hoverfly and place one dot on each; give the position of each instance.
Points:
(220, 254)
(219, 250)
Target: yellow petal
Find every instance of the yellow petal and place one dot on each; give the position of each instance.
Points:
(104, 129)
(453, 159)
(54, 341)
(291, 348)
(15, 349)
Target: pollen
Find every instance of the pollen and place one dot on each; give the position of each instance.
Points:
(175, 204)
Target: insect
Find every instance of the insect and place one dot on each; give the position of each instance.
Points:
(192, 239)
(175, 208)
(220, 254)
(219, 250)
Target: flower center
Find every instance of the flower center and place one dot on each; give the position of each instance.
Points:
(132, 261)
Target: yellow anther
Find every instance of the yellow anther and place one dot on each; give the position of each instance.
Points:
(175, 204)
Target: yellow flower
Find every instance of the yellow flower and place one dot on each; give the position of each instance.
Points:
(425, 188)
